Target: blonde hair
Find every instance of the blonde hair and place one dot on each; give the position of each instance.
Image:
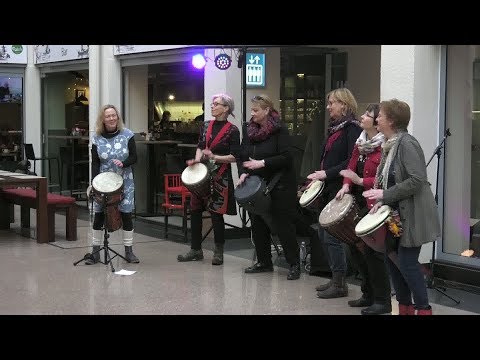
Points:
(264, 101)
(346, 97)
(227, 101)
(99, 125)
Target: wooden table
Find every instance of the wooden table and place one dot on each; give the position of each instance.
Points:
(8, 179)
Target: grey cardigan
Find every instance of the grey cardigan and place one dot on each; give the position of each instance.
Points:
(417, 207)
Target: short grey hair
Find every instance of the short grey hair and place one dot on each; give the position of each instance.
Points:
(227, 101)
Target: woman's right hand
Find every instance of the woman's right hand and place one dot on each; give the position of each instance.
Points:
(192, 162)
(242, 179)
(344, 190)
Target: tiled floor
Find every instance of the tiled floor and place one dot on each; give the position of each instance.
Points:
(41, 279)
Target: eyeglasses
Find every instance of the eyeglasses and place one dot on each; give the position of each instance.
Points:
(258, 98)
(215, 104)
(370, 116)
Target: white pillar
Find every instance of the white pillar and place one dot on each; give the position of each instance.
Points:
(111, 77)
(33, 104)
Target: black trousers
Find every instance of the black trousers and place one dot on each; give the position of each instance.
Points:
(283, 214)
(373, 270)
(197, 225)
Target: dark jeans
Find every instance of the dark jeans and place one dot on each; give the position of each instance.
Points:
(373, 270)
(335, 252)
(409, 280)
(197, 225)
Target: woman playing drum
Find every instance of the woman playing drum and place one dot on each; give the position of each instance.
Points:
(359, 176)
(113, 149)
(265, 153)
(401, 182)
(219, 142)
(343, 132)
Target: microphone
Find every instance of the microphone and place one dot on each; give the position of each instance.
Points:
(447, 132)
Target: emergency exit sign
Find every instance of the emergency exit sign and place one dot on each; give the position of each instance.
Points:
(255, 69)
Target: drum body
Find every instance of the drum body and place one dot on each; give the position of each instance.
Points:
(310, 198)
(107, 191)
(339, 218)
(372, 228)
(251, 195)
(196, 178)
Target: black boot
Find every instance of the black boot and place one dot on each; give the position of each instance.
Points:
(218, 255)
(259, 267)
(294, 272)
(192, 255)
(95, 257)
(130, 256)
(377, 309)
(338, 289)
(364, 301)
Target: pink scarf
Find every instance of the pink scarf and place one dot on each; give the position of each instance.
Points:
(257, 133)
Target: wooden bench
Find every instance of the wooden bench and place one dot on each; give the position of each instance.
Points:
(26, 199)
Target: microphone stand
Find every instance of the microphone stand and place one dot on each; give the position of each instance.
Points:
(431, 275)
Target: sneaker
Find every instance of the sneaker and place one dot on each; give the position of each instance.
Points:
(192, 255)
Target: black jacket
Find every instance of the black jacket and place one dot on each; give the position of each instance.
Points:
(276, 151)
(337, 159)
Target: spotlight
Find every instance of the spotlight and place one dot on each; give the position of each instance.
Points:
(198, 61)
(223, 61)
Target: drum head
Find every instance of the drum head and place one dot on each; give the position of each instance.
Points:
(194, 174)
(248, 189)
(336, 210)
(107, 182)
(311, 193)
(372, 222)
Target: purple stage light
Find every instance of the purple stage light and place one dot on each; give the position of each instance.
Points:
(198, 61)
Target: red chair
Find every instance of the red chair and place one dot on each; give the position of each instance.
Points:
(176, 197)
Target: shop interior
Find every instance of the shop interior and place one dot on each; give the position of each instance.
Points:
(11, 119)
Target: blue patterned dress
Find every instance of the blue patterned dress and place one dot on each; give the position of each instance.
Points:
(116, 148)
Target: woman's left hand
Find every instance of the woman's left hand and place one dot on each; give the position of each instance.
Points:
(253, 164)
(352, 176)
(118, 163)
(373, 194)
